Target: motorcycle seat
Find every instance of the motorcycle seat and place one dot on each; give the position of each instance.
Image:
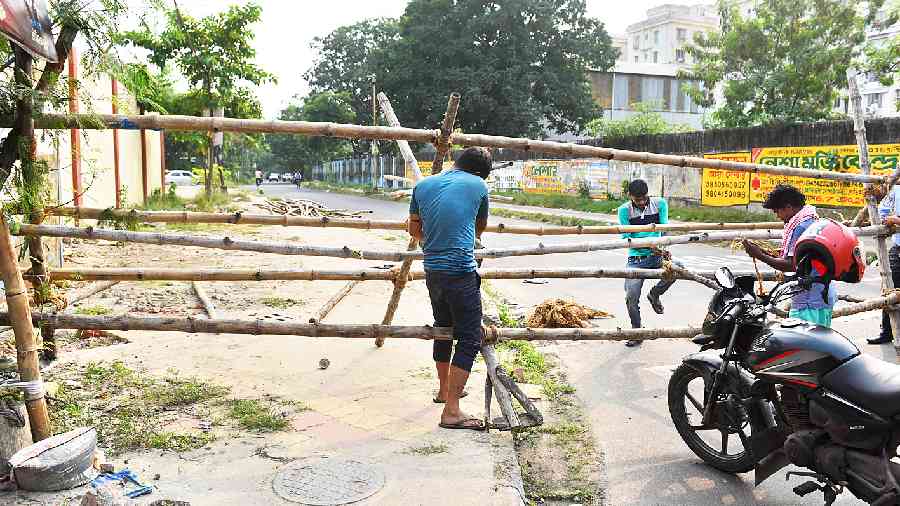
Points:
(868, 382)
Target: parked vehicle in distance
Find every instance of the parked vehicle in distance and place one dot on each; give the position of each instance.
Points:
(287, 177)
(179, 178)
(274, 177)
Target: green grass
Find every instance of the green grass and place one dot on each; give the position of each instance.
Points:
(429, 449)
(93, 310)
(128, 407)
(280, 302)
(255, 415)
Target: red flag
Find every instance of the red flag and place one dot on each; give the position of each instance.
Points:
(27, 23)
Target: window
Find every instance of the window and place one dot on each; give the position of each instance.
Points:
(636, 43)
(655, 56)
(620, 92)
(681, 34)
(680, 56)
(653, 91)
(656, 36)
(646, 36)
(837, 103)
(897, 98)
(637, 59)
(873, 100)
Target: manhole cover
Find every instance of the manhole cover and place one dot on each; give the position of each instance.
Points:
(327, 482)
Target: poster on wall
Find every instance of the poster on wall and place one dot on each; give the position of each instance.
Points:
(726, 187)
(882, 159)
(542, 176)
(27, 23)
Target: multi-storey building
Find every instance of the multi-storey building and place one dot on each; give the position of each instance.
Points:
(662, 37)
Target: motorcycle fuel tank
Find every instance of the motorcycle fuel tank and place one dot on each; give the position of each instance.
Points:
(798, 352)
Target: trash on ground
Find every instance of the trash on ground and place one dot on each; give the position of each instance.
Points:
(125, 477)
(304, 207)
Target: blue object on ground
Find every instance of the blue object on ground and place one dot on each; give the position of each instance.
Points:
(124, 476)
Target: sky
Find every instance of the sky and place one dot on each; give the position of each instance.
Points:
(288, 27)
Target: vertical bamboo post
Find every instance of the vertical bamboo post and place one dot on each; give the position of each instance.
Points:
(74, 134)
(443, 143)
(504, 399)
(859, 128)
(403, 275)
(26, 346)
(117, 173)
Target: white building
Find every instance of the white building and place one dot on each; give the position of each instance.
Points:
(662, 37)
(879, 101)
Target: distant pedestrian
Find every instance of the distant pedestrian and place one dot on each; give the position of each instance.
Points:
(643, 210)
(259, 178)
(446, 214)
(889, 209)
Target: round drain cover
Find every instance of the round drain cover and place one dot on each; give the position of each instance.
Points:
(327, 482)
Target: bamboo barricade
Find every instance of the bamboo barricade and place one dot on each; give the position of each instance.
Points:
(88, 291)
(226, 243)
(193, 325)
(400, 179)
(388, 111)
(504, 398)
(83, 213)
(868, 305)
(26, 345)
(208, 305)
(859, 128)
(443, 143)
(320, 129)
(333, 301)
(117, 274)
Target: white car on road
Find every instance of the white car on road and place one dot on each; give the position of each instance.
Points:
(179, 178)
(274, 177)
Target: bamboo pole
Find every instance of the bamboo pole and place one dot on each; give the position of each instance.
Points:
(443, 141)
(388, 111)
(208, 305)
(401, 179)
(88, 291)
(399, 284)
(347, 331)
(859, 128)
(699, 278)
(399, 281)
(868, 305)
(226, 243)
(193, 123)
(116, 274)
(503, 396)
(83, 213)
(888, 185)
(333, 301)
(26, 345)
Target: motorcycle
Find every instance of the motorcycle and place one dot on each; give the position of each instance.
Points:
(787, 392)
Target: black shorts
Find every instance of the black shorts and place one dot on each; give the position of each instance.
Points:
(456, 302)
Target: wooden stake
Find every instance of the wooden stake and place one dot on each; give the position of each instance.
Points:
(504, 399)
(388, 111)
(88, 291)
(859, 128)
(194, 123)
(222, 275)
(358, 223)
(443, 142)
(226, 243)
(208, 305)
(333, 301)
(26, 345)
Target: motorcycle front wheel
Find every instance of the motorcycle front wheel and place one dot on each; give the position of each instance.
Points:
(723, 444)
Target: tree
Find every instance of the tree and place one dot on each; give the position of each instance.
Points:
(520, 65)
(784, 63)
(293, 152)
(882, 57)
(647, 121)
(214, 54)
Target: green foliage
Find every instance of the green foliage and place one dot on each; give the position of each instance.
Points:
(782, 64)
(520, 66)
(293, 153)
(280, 302)
(882, 57)
(252, 414)
(646, 121)
(93, 310)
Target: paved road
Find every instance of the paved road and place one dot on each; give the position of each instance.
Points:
(624, 390)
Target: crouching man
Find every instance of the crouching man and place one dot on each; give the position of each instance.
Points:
(447, 213)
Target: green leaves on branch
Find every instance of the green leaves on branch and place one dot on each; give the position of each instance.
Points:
(645, 121)
(784, 63)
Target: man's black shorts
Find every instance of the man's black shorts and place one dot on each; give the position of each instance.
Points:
(456, 302)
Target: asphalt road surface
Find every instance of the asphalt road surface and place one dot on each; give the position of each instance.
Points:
(624, 389)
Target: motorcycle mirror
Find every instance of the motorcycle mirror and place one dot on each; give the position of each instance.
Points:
(725, 278)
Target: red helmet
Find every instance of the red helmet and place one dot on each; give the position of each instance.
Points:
(830, 251)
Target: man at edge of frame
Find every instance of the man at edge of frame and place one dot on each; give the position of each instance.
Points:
(447, 213)
(889, 210)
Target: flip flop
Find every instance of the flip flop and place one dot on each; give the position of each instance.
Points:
(464, 424)
(441, 401)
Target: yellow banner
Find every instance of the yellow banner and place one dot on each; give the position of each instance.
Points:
(723, 187)
(425, 167)
(542, 176)
(883, 159)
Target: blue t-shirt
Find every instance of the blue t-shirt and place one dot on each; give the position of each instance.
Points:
(812, 298)
(449, 203)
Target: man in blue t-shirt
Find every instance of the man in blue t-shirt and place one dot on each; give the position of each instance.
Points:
(643, 210)
(446, 214)
(789, 204)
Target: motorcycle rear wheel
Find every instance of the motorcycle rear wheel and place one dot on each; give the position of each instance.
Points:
(680, 398)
